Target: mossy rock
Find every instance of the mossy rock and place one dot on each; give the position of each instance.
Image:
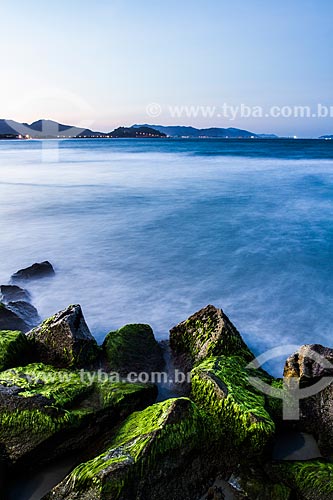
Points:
(9, 320)
(64, 340)
(207, 333)
(133, 348)
(221, 386)
(146, 459)
(309, 479)
(41, 405)
(257, 485)
(13, 349)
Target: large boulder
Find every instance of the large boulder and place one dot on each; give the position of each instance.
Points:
(311, 367)
(45, 412)
(222, 387)
(64, 340)
(27, 312)
(157, 453)
(36, 271)
(310, 363)
(9, 320)
(10, 293)
(13, 349)
(208, 332)
(133, 348)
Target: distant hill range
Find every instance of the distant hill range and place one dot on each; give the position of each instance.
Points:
(44, 129)
(328, 137)
(211, 133)
(48, 129)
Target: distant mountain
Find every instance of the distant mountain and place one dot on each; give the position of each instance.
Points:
(136, 133)
(9, 127)
(329, 137)
(45, 129)
(213, 133)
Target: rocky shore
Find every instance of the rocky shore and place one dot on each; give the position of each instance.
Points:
(61, 394)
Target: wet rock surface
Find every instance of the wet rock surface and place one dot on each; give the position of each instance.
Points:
(33, 272)
(9, 320)
(27, 312)
(64, 340)
(10, 293)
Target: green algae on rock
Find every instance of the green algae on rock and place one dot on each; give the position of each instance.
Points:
(64, 340)
(145, 459)
(13, 349)
(310, 479)
(39, 403)
(208, 332)
(221, 386)
(133, 348)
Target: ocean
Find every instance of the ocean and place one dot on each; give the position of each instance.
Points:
(150, 231)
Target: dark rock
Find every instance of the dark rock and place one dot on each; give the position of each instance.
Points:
(208, 332)
(46, 412)
(9, 320)
(133, 348)
(310, 363)
(316, 417)
(27, 312)
(312, 367)
(64, 340)
(14, 349)
(157, 453)
(36, 271)
(10, 293)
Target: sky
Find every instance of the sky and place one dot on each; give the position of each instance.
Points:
(106, 63)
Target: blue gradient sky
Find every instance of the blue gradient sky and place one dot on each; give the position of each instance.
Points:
(100, 64)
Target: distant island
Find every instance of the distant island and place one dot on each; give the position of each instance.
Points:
(136, 133)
